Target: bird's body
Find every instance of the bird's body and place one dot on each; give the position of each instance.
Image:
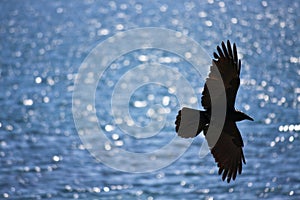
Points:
(223, 82)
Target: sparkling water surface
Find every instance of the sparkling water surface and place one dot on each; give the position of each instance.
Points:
(43, 44)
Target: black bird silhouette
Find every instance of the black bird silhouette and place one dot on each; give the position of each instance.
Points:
(227, 149)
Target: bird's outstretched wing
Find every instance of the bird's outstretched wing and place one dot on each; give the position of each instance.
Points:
(228, 152)
(226, 64)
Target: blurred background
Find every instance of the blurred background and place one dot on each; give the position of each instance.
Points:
(42, 46)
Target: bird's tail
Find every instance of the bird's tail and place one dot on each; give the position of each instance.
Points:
(190, 122)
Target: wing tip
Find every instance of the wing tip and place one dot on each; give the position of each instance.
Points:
(216, 56)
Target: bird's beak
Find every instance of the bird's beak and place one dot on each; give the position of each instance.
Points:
(249, 118)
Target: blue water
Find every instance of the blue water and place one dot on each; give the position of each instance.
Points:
(43, 44)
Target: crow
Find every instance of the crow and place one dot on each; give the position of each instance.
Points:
(227, 149)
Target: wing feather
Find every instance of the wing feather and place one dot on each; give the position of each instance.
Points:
(225, 50)
(220, 52)
(216, 55)
(229, 49)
